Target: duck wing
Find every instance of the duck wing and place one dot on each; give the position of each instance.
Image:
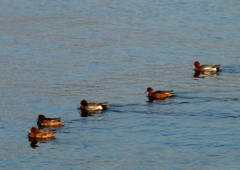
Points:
(46, 131)
(164, 92)
(104, 105)
(96, 106)
(210, 67)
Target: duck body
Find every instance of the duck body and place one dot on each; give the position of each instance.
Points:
(92, 106)
(159, 94)
(199, 67)
(40, 133)
(43, 121)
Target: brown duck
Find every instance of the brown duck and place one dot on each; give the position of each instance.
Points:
(159, 94)
(43, 121)
(40, 133)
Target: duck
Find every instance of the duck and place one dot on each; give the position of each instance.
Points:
(84, 105)
(40, 133)
(159, 94)
(43, 121)
(199, 67)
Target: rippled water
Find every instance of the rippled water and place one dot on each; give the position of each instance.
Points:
(55, 53)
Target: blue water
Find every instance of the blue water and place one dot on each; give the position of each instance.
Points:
(56, 53)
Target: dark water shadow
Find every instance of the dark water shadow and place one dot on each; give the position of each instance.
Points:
(197, 97)
(233, 69)
(230, 117)
(129, 108)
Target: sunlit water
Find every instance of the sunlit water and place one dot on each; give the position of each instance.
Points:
(55, 53)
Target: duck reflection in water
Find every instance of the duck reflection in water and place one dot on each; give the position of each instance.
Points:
(34, 141)
(33, 144)
(152, 99)
(87, 113)
(205, 74)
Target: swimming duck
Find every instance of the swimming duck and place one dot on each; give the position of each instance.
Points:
(40, 133)
(84, 105)
(199, 67)
(43, 121)
(159, 94)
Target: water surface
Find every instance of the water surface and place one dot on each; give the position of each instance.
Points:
(55, 53)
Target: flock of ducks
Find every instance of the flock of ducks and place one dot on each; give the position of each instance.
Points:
(42, 121)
